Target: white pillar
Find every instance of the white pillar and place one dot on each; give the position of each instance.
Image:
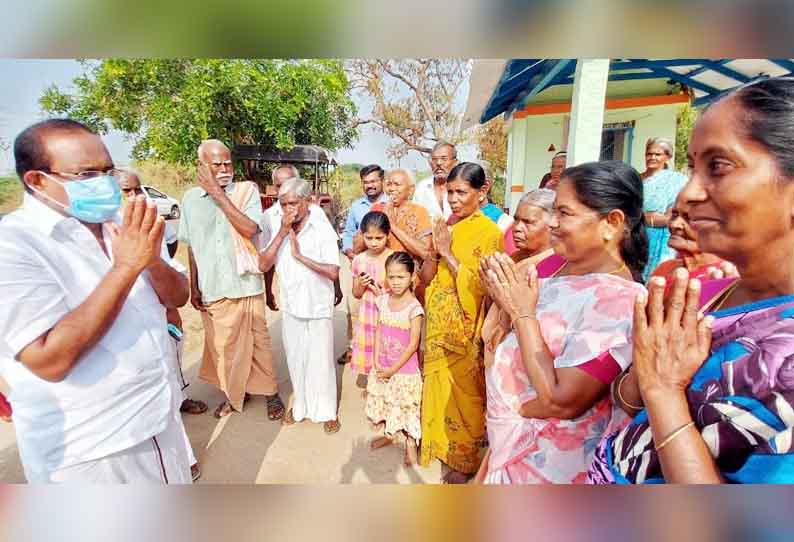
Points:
(587, 110)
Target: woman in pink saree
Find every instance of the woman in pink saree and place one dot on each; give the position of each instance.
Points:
(548, 404)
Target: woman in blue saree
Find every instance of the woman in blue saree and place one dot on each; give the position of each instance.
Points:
(714, 395)
(660, 188)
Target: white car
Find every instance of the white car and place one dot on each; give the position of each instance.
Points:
(166, 205)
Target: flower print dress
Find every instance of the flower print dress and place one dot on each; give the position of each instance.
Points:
(396, 401)
(586, 322)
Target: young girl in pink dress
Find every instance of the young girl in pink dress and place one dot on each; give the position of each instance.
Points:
(369, 274)
(394, 392)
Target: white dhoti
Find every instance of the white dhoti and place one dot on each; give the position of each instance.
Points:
(176, 368)
(309, 348)
(178, 386)
(161, 459)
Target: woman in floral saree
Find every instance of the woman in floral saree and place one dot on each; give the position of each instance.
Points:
(548, 383)
(453, 400)
(714, 395)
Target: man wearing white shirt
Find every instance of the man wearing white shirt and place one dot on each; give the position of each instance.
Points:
(130, 183)
(83, 339)
(272, 223)
(306, 257)
(431, 193)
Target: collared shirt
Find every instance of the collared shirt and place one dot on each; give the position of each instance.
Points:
(425, 195)
(117, 394)
(204, 227)
(358, 209)
(271, 221)
(302, 292)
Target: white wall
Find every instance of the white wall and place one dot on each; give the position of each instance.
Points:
(656, 121)
(530, 137)
(529, 157)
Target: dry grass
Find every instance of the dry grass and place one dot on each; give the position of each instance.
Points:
(10, 194)
(172, 179)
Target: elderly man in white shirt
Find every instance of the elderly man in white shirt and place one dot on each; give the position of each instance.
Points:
(84, 343)
(431, 193)
(305, 253)
(272, 222)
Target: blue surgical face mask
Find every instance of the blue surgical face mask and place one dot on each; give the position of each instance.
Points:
(94, 200)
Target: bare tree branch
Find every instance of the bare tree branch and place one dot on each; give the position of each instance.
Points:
(415, 101)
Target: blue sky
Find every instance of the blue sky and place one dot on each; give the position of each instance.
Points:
(25, 80)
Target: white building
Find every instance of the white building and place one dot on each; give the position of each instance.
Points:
(621, 103)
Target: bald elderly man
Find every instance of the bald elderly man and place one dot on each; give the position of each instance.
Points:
(220, 222)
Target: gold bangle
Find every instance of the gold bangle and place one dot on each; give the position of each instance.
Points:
(674, 434)
(520, 316)
(620, 395)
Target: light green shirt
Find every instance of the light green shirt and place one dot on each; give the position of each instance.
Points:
(204, 227)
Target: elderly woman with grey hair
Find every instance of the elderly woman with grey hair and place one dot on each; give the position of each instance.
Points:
(661, 186)
(305, 254)
(532, 237)
(410, 222)
(531, 234)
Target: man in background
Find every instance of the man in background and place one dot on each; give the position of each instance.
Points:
(372, 186)
(552, 178)
(130, 183)
(220, 220)
(431, 193)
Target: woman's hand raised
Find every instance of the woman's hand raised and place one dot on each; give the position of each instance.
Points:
(515, 293)
(670, 343)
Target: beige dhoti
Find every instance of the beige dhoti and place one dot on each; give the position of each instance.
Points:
(238, 355)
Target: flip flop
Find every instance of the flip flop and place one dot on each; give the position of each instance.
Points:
(331, 426)
(191, 406)
(288, 419)
(223, 410)
(275, 407)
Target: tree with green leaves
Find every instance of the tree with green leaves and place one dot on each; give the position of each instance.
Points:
(167, 106)
(683, 130)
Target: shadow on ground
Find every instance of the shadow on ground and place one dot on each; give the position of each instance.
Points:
(382, 466)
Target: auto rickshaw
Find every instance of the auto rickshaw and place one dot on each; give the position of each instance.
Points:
(313, 162)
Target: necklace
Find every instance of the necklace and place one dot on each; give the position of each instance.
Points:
(725, 296)
(618, 270)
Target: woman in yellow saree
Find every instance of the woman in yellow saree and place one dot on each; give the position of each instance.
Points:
(453, 400)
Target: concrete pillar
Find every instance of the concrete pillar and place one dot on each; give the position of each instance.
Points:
(517, 145)
(508, 177)
(587, 110)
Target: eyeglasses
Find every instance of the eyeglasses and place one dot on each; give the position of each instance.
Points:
(132, 190)
(85, 175)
